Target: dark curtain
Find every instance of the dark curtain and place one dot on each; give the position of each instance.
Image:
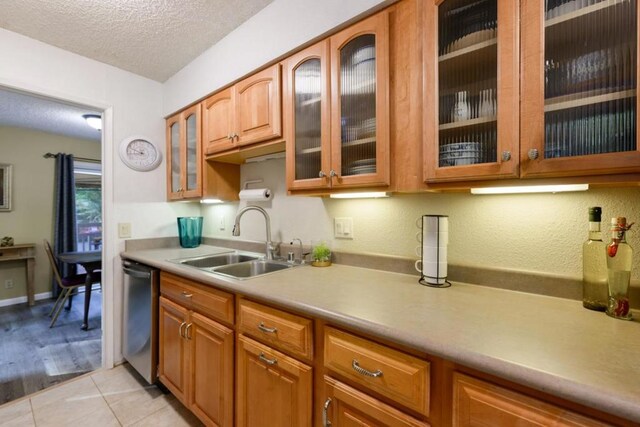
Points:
(64, 228)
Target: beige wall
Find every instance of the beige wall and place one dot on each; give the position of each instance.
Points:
(31, 219)
(540, 233)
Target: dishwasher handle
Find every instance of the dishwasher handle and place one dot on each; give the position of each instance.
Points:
(136, 273)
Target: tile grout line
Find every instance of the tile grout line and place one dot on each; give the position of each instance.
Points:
(105, 401)
(33, 414)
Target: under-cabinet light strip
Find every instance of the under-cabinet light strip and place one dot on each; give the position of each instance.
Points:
(531, 189)
(363, 195)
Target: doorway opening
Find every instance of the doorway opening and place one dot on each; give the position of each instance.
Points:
(36, 352)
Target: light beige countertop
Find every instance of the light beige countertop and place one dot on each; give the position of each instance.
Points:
(550, 344)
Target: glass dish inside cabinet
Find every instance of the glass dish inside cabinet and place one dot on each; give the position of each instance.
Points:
(307, 89)
(590, 77)
(467, 82)
(358, 106)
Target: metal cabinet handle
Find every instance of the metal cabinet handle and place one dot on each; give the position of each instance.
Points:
(186, 331)
(506, 156)
(266, 329)
(186, 294)
(356, 367)
(332, 173)
(533, 154)
(325, 415)
(182, 325)
(270, 362)
(322, 174)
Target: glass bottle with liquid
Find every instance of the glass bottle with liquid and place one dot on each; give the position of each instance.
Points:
(595, 291)
(619, 257)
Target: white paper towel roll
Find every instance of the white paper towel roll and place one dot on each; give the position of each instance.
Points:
(256, 194)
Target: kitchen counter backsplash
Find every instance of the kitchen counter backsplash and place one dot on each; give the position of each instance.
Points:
(514, 280)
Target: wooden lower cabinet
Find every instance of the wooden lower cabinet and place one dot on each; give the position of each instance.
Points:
(479, 403)
(346, 407)
(358, 381)
(173, 348)
(211, 381)
(272, 389)
(196, 363)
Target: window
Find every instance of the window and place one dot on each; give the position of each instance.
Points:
(88, 205)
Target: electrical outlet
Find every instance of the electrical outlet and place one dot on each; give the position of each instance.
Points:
(343, 228)
(124, 230)
(8, 284)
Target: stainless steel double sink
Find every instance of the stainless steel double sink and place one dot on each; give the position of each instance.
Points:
(236, 264)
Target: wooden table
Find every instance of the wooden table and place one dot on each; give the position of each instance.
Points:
(26, 252)
(90, 261)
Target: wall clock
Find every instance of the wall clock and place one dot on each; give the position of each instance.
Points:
(140, 154)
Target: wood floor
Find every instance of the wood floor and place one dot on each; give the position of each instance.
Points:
(34, 357)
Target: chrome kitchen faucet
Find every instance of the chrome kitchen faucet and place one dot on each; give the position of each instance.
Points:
(236, 227)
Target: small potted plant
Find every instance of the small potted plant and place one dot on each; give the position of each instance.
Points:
(321, 255)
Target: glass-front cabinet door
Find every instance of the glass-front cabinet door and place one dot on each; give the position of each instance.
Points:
(174, 180)
(579, 107)
(192, 156)
(471, 94)
(360, 104)
(184, 165)
(307, 115)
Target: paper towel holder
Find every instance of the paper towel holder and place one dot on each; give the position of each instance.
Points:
(254, 194)
(245, 185)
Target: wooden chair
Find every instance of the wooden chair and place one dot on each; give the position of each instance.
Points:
(68, 284)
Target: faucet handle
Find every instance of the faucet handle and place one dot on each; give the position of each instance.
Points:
(302, 254)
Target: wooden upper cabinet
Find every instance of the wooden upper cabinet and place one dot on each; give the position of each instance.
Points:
(579, 88)
(306, 108)
(359, 60)
(471, 94)
(219, 121)
(337, 109)
(246, 113)
(258, 107)
(184, 156)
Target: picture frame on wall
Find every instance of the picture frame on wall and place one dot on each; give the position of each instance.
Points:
(5, 187)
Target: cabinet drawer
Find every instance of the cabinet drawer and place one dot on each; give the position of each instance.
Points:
(392, 373)
(216, 304)
(477, 402)
(347, 406)
(282, 330)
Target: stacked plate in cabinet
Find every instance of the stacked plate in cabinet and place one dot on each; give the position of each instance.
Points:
(459, 153)
(360, 167)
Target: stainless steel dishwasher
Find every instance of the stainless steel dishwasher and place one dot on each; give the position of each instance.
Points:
(140, 318)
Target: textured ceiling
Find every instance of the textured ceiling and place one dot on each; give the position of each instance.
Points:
(30, 112)
(152, 38)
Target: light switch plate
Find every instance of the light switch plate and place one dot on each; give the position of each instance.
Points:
(343, 228)
(124, 230)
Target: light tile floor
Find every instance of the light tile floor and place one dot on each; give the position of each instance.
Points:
(105, 398)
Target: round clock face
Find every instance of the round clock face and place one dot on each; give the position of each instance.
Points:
(140, 154)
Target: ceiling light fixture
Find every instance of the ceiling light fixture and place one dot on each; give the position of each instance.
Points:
(531, 189)
(363, 195)
(93, 120)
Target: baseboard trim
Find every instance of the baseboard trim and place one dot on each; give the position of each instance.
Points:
(22, 300)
